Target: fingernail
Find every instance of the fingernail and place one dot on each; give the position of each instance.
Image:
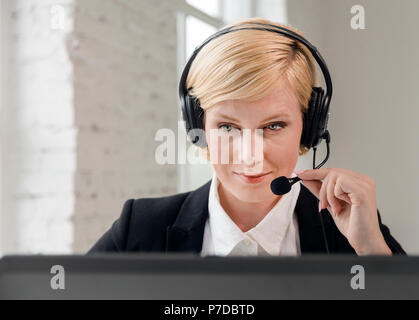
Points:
(299, 172)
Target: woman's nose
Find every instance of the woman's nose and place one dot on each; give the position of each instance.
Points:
(252, 148)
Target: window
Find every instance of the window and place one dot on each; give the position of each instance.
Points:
(196, 32)
(210, 7)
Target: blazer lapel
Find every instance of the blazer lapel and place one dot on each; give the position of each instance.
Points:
(187, 232)
(309, 224)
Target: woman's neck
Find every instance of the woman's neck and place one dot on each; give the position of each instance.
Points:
(246, 215)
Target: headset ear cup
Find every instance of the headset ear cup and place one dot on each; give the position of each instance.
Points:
(324, 116)
(308, 120)
(316, 127)
(184, 104)
(194, 125)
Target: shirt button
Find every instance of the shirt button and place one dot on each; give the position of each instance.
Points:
(247, 242)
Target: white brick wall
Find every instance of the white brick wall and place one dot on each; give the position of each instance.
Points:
(83, 107)
(39, 133)
(125, 89)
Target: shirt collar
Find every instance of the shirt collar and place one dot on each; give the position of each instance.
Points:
(268, 233)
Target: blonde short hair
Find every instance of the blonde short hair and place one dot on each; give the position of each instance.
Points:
(247, 64)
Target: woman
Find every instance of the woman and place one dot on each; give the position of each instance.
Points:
(260, 81)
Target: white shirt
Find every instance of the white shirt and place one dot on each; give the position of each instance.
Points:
(276, 234)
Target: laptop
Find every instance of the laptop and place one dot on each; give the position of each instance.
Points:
(149, 276)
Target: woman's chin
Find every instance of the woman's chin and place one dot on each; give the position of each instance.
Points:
(254, 192)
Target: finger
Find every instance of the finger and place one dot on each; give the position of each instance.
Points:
(347, 172)
(334, 202)
(340, 193)
(323, 195)
(314, 186)
(316, 174)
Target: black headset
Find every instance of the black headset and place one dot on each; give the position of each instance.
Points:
(315, 119)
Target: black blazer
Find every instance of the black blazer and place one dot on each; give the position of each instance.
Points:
(176, 224)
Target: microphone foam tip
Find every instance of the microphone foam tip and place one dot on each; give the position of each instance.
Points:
(280, 186)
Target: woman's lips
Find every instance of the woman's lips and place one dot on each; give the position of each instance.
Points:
(252, 179)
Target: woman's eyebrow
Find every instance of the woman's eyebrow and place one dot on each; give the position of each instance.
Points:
(276, 116)
(280, 115)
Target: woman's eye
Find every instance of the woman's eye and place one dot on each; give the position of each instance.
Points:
(275, 126)
(226, 127)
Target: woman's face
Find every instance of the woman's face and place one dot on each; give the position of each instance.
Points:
(273, 150)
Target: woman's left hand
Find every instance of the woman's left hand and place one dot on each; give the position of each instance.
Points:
(351, 199)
